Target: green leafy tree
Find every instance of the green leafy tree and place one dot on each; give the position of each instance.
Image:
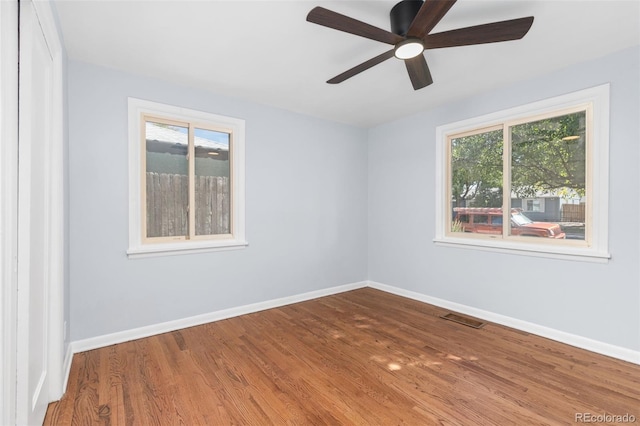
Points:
(476, 168)
(546, 156)
(549, 155)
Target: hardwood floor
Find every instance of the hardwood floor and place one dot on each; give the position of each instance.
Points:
(363, 357)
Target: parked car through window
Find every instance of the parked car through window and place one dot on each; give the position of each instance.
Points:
(488, 220)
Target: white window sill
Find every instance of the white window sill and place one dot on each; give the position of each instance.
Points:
(535, 250)
(190, 247)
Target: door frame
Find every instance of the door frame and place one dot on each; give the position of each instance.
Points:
(8, 207)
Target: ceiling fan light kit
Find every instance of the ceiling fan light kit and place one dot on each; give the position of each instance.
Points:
(411, 24)
(409, 48)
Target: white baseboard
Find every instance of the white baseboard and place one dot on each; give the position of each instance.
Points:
(151, 330)
(66, 367)
(596, 346)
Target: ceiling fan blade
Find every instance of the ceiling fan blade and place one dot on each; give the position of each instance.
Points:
(513, 29)
(362, 67)
(418, 72)
(328, 18)
(431, 12)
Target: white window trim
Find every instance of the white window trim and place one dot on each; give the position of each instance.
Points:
(137, 249)
(598, 251)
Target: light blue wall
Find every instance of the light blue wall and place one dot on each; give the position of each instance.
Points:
(330, 204)
(597, 301)
(306, 201)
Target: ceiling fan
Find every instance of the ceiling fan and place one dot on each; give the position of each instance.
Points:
(411, 23)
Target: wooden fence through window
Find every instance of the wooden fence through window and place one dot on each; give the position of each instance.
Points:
(573, 213)
(168, 198)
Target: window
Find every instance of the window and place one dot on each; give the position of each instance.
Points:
(481, 219)
(533, 204)
(540, 171)
(186, 180)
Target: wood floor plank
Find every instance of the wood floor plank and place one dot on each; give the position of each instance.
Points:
(363, 357)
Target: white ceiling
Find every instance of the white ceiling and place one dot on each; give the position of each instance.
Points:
(265, 51)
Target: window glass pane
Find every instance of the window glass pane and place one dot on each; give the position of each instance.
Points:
(548, 180)
(166, 180)
(212, 182)
(476, 181)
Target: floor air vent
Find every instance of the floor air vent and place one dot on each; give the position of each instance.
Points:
(463, 320)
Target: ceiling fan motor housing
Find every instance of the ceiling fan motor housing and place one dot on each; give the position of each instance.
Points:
(402, 15)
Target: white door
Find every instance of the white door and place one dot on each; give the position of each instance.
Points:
(34, 208)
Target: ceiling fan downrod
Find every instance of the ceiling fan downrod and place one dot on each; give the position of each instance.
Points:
(402, 15)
